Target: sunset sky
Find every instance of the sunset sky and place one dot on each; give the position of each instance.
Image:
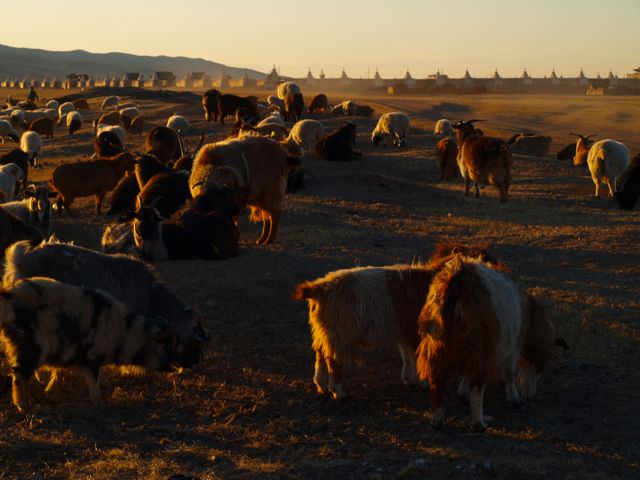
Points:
(360, 35)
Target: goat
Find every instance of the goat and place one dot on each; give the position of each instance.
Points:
(293, 107)
(163, 142)
(74, 122)
(129, 280)
(112, 118)
(483, 159)
(256, 169)
(629, 191)
(44, 322)
(228, 105)
(44, 126)
(136, 125)
(63, 110)
(583, 144)
(284, 89)
(107, 144)
(319, 104)
(446, 154)
(10, 174)
(7, 130)
(167, 192)
(21, 159)
(179, 124)
(394, 125)
(35, 209)
(567, 153)
(123, 197)
(12, 230)
(530, 144)
(306, 134)
(80, 104)
(111, 101)
(338, 145)
(443, 127)
(31, 144)
(210, 105)
(607, 161)
(83, 179)
(346, 108)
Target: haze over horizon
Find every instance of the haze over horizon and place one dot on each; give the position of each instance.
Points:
(360, 35)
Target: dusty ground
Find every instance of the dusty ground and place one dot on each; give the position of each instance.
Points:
(251, 410)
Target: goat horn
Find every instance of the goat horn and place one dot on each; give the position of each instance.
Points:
(576, 135)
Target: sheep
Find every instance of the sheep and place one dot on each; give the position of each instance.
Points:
(293, 107)
(376, 306)
(483, 159)
(210, 105)
(346, 108)
(274, 101)
(272, 126)
(10, 174)
(80, 104)
(107, 144)
(63, 109)
(478, 323)
(530, 144)
(228, 105)
(44, 322)
(284, 89)
(189, 233)
(163, 142)
(12, 230)
(567, 153)
(21, 159)
(583, 144)
(393, 124)
(629, 191)
(127, 114)
(131, 281)
(110, 102)
(31, 144)
(35, 209)
(52, 104)
(51, 114)
(337, 145)
(83, 179)
(319, 104)
(256, 168)
(607, 161)
(179, 124)
(446, 154)
(114, 129)
(136, 125)
(44, 126)
(74, 122)
(305, 134)
(111, 118)
(443, 127)
(167, 192)
(17, 117)
(7, 130)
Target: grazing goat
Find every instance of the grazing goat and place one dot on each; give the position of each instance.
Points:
(167, 192)
(123, 197)
(21, 159)
(74, 122)
(479, 324)
(80, 104)
(256, 169)
(284, 89)
(118, 238)
(63, 110)
(114, 129)
(31, 144)
(443, 127)
(364, 110)
(306, 134)
(346, 108)
(7, 131)
(567, 153)
(48, 323)
(446, 155)
(607, 161)
(107, 144)
(483, 159)
(44, 126)
(179, 124)
(338, 145)
(374, 306)
(83, 179)
(136, 126)
(52, 104)
(35, 209)
(583, 145)
(112, 118)
(228, 105)
(319, 104)
(274, 101)
(629, 191)
(394, 125)
(129, 280)
(530, 144)
(210, 105)
(10, 174)
(110, 102)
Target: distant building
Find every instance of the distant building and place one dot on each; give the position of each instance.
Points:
(377, 80)
(468, 79)
(344, 78)
(273, 78)
(409, 81)
(311, 80)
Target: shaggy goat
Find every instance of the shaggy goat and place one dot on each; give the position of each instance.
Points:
(483, 159)
(530, 144)
(74, 122)
(31, 144)
(306, 134)
(179, 124)
(48, 323)
(35, 209)
(338, 145)
(110, 102)
(293, 107)
(44, 126)
(446, 155)
(394, 125)
(210, 105)
(20, 158)
(107, 144)
(319, 104)
(256, 169)
(163, 142)
(10, 174)
(607, 161)
(7, 130)
(166, 192)
(228, 105)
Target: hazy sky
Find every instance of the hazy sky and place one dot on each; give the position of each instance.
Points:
(358, 34)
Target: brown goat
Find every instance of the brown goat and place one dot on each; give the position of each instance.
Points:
(163, 142)
(80, 104)
(256, 168)
(83, 179)
(293, 107)
(210, 105)
(228, 105)
(583, 145)
(483, 159)
(446, 154)
(44, 126)
(319, 104)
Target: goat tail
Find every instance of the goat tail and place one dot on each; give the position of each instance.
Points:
(13, 257)
(308, 290)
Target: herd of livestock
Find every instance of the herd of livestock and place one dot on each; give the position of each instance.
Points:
(463, 314)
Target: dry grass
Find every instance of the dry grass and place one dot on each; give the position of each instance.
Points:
(251, 411)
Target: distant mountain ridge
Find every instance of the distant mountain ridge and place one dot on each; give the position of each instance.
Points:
(36, 63)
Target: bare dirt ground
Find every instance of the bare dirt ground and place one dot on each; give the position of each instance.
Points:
(251, 410)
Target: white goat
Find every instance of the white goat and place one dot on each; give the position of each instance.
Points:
(305, 134)
(178, 123)
(111, 101)
(31, 144)
(9, 175)
(7, 130)
(607, 161)
(287, 88)
(394, 125)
